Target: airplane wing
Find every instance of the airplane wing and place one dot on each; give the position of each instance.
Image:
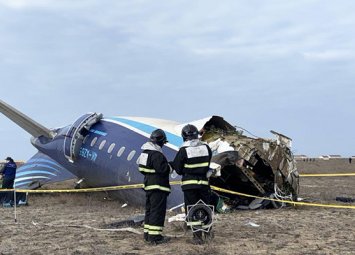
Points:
(28, 124)
(40, 170)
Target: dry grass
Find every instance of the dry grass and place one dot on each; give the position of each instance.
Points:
(64, 224)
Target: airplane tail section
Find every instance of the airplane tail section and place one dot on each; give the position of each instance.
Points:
(25, 122)
(40, 170)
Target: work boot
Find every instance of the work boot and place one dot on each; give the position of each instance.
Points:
(209, 236)
(159, 240)
(20, 202)
(146, 236)
(198, 238)
(7, 204)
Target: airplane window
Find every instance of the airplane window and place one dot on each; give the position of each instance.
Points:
(131, 155)
(93, 141)
(111, 147)
(102, 144)
(120, 151)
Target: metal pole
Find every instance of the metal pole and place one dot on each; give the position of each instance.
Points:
(15, 204)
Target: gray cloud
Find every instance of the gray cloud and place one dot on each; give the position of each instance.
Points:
(284, 65)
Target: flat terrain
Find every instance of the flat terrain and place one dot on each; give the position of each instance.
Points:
(78, 224)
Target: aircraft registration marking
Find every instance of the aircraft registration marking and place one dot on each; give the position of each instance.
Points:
(88, 154)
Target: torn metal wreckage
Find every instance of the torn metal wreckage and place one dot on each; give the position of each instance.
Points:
(255, 166)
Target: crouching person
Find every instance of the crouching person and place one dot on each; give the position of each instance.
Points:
(156, 169)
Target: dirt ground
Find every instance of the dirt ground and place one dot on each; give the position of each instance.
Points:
(77, 224)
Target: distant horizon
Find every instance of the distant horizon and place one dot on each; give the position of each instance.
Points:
(324, 155)
(296, 158)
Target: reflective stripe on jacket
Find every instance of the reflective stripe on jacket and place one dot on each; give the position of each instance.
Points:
(155, 168)
(192, 162)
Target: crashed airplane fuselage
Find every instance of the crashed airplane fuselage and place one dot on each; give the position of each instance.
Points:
(103, 151)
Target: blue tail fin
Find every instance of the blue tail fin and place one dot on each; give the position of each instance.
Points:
(40, 170)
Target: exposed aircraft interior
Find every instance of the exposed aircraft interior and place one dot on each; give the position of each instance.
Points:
(255, 166)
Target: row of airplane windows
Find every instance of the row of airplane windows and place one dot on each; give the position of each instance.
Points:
(111, 147)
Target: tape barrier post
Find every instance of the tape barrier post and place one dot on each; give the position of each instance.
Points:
(15, 205)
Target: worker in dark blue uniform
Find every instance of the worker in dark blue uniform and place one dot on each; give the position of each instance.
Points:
(8, 172)
(156, 169)
(192, 162)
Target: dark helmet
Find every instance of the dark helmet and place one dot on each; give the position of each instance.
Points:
(158, 137)
(189, 132)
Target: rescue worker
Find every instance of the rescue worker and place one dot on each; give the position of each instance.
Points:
(156, 169)
(192, 162)
(8, 172)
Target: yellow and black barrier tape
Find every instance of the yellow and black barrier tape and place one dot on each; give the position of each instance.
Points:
(137, 186)
(327, 175)
(109, 188)
(284, 201)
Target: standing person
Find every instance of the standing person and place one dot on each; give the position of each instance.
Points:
(192, 162)
(8, 172)
(156, 169)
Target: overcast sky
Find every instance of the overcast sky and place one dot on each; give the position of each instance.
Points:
(287, 66)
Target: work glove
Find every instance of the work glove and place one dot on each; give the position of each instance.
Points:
(171, 168)
(214, 171)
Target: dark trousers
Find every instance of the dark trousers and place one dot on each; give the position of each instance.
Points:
(192, 196)
(7, 197)
(155, 210)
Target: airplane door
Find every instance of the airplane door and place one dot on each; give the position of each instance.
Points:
(76, 134)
